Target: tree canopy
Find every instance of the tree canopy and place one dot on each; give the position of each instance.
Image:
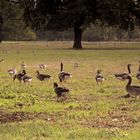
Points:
(7, 11)
(79, 14)
(12, 25)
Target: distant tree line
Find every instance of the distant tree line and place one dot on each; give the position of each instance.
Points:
(16, 31)
(80, 15)
(93, 33)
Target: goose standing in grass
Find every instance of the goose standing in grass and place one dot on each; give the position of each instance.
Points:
(19, 76)
(138, 73)
(42, 66)
(99, 78)
(23, 65)
(12, 72)
(43, 77)
(60, 91)
(132, 90)
(63, 76)
(75, 65)
(121, 75)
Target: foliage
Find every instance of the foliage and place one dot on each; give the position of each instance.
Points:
(79, 14)
(12, 26)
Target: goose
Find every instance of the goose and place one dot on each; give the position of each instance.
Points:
(42, 66)
(138, 73)
(132, 90)
(19, 76)
(121, 75)
(99, 78)
(12, 72)
(43, 77)
(23, 65)
(75, 65)
(60, 91)
(63, 75)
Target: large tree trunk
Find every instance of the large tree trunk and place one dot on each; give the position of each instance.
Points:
(0, 33)
(77, 38)
(1, 24)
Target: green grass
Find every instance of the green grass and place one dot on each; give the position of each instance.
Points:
(92, 112)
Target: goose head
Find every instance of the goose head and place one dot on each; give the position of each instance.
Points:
(24, 72)
(99, 71)
(55, 85)
(129, 65)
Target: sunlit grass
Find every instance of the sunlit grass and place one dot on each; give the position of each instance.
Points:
(91, 112)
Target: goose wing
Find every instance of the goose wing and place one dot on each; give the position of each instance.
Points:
(136, 87)
(121, 75)
(99, 77)
(61, 90)
(64, 74)
(42, 77)
(27, 77)
(134, 90)
(45, 75)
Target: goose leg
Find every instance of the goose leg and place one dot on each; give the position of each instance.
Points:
(57, 98)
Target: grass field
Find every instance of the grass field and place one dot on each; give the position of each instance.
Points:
(92, 112)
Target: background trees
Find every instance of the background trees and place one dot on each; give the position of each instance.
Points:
(79, 14)
(68, 19)
(12, 26)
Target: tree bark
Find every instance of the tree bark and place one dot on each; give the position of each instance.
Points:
(1, 24)
(77, 38)
(0, 33)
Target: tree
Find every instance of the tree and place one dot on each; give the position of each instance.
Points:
(8, 11)
(79, 14)
(15, 30)
(12, 25)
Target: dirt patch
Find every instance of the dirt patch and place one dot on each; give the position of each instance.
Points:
(85, 98)
(22, 116)
(112, 120)
(14, 117)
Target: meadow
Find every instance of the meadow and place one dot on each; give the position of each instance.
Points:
(92, 112)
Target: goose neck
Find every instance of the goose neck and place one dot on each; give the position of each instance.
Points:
(139, 68)
(61, 66)
(129, 81)
(129, 70)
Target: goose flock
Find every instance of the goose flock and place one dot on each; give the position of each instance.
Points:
(64, 76)
(22, 76)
